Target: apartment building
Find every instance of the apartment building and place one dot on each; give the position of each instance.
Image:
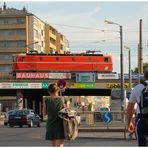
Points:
(35, 34)
(21, 32)
(50, 39)
(55, 41)
(62, 43)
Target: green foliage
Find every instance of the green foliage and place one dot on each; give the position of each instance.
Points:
(136, 68)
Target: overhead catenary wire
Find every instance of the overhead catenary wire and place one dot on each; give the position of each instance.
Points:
(90, 28)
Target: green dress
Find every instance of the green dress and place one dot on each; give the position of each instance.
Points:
(54, 127)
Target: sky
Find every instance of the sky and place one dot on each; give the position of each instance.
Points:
(83, 25)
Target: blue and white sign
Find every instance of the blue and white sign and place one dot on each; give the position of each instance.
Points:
(107, 117)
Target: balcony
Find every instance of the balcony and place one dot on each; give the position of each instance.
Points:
(53, 36)
(12, 26)
(13, 38)
(5, 62)
(12, 50)
(51, 45)
(62, 42)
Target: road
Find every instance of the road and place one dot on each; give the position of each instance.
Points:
(35, 137)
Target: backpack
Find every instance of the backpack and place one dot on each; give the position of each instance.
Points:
(143, 104)
(69, 123)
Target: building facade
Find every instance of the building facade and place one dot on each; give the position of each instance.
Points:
(35, 34)
(21, 32)
(50, 39)
(62, 43)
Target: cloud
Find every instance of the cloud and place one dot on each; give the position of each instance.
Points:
(95, 11)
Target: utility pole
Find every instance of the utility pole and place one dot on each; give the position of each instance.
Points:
(130, 78)
(138, 64)
(140, 48)
(129, 60)
(121, 58)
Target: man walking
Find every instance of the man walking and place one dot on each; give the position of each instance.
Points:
(139, 95)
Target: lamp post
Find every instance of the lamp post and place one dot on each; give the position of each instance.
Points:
(129, 57)
(121, 57)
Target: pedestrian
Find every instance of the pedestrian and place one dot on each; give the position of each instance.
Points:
(139, 96)
(51, 106)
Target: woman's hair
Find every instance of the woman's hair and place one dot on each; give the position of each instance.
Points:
(52, 88)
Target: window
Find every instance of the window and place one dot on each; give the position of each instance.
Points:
(21, 32)
(37, 34)
(53, 41)
(12, 44)
(5, 57)
(42, 32)
(23, 59)
(40, 58)
(6, 68)
(20, 20)
(89, 59)
(106, 60)
(57, 58)
(37, 23)
(62, 47)
(37, 46)
(21, 44)
(12, 21)
(12, 32)
(73, 59)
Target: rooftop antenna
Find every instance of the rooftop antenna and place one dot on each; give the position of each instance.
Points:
(4, 6)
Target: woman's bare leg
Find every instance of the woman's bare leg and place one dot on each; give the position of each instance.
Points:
(60, 142)
(53, 142)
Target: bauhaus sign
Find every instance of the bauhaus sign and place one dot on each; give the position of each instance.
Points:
(42, 75)
(32, 75)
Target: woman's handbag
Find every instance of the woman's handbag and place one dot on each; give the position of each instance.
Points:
(69, 123)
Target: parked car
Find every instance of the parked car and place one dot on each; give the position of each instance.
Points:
(6, 116)
(24, 117)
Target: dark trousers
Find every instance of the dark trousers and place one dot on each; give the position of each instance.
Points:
(142, 131)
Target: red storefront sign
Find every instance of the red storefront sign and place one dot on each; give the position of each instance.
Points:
(42, 75)
(32, 75)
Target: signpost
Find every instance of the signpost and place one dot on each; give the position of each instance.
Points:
(107, 117)
(61, 84)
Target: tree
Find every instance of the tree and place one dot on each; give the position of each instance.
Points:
(136, 68)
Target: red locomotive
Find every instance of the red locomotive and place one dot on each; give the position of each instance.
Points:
(62, 62)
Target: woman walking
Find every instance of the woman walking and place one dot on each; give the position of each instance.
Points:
(51, 106)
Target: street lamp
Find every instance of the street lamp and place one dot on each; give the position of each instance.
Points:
(129, 57)
(121, 57)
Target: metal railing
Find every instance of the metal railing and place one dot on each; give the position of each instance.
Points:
(93, 122)
(89, 118)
